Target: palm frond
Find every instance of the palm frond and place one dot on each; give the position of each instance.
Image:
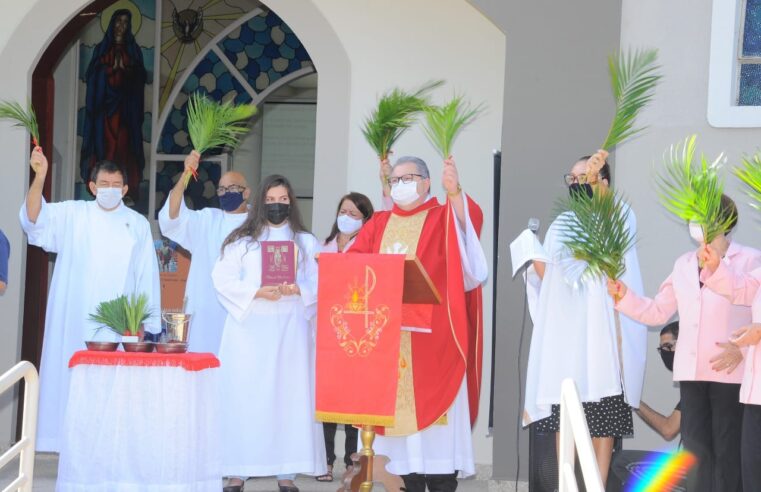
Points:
(111, 314)
(25, 118)
(692, 192)
(750, 175)
(633, 77)
(212, 124)
(137, 311)
(443, 123)
(395, 113)
(595, 229)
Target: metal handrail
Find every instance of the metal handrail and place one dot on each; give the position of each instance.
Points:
(574, 434)
(24, 448)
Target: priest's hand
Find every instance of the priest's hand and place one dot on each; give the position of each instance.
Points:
(383, 173)
(617, 289)
(289, 290)
(191, 162)
(747, 336)
(39, 162)
(451, 178)
(594, 164)
(728, 359)
(269, 292)
(709, 257)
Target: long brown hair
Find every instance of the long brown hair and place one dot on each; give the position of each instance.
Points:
(363, 204)
(256, 222)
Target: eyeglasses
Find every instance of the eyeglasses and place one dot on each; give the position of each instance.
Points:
(221, 190)
(666, 347)
(572, 178)
(407, 178)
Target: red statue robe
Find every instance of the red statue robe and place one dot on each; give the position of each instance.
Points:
(453, 348)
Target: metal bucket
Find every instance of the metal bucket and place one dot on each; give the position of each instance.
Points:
(176, 326)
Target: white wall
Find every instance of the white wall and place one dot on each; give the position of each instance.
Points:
(360, 49)
(402, 43)
(681, 30)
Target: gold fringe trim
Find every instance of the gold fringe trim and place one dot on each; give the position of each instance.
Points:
(355, 418)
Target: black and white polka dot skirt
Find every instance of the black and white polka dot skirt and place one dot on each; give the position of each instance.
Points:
(609, 417)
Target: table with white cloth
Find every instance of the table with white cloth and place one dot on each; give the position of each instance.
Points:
(142, 422)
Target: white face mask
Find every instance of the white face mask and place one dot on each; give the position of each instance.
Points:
(696, 232)
(108, 198)
(404, 193)
(348, 224)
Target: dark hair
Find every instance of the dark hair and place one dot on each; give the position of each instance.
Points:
(728, 211)
(604, 170)
(672, 328)
(256, 221)
(108, 167)
(362, 203)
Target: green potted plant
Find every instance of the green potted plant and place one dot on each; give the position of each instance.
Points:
(125, 316)
(136, 311)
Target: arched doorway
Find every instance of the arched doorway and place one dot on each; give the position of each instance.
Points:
(46, 103)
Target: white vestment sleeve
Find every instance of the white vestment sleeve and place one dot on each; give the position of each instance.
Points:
(49, 231)
(145, 268)
(307, 274)
(475, 270)
(235, 289)
(533, 287)
(182, 228)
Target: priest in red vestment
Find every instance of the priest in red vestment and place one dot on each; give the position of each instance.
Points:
(441, 345)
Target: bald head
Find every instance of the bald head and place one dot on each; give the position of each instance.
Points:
(233, 182)
(233, 178)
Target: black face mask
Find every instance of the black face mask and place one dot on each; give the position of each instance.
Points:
(579, 189)
(277, 213)
(668, 359)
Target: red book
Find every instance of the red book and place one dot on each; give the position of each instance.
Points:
(278, 262)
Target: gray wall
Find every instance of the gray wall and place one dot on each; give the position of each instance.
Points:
(681, 30)
(557, 107)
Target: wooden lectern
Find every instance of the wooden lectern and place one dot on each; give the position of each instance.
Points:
(418, 289)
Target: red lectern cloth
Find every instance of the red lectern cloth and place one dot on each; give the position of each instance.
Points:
(190, 361)
(358, 328)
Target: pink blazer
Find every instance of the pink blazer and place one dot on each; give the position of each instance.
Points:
(705, 317)
(742, 289)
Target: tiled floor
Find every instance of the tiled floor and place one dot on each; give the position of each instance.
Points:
(46, 468)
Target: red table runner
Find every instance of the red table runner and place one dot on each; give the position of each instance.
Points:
(190, 361)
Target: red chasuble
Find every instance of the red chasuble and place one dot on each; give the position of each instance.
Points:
(454, 346)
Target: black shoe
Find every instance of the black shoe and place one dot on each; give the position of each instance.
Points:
(287, 488)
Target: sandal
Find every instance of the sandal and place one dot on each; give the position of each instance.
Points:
(327, 477)
(233, 488)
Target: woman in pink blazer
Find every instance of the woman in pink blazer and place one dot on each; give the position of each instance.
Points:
(708, 367)
(743, 289)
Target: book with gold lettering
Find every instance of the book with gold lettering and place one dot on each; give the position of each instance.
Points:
(278, 262)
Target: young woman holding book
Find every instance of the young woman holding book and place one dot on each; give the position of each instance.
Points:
(266, 278)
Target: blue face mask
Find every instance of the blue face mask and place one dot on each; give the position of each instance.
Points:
(230, 200)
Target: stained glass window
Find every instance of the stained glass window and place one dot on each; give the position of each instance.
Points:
(749, 76)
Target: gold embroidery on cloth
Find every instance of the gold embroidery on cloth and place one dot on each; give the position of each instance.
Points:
(401, 237)
(358, 304)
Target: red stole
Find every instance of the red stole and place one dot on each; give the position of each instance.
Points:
(454, 347)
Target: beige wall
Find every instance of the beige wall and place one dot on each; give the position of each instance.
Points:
(681, 30)
(360, 49)
(405, 43)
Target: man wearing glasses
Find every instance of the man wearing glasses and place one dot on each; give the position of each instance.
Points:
(631, 465)
(440, 348)
(202, 232)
